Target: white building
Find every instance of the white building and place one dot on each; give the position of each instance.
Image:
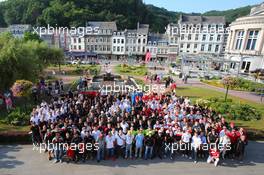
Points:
(97, 43)
(142, 38)
(172, 34)
(18, 30)
(201, 34)
(119, 43)
(245, 46)
(158, 46)
(131, 42)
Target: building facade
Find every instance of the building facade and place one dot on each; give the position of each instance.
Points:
(119, 43)
(94, 43)
(172, 34)
(201, 34)
(245, 45)
(18, 30)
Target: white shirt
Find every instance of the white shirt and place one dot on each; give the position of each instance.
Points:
(124, 126)
(96, 134)
(196, 141)
(129, 139)
(109, 141)
(186, 137)
(120, 139)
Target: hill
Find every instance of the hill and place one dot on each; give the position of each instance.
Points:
(77, 12)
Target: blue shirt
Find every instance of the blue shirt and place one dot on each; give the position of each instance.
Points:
(139, 140)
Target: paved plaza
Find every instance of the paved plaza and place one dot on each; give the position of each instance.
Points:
(21, 160)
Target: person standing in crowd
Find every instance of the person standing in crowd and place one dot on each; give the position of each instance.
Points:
(110, 140)
(76, 140)
(100, 142)
(240, 147)
(168, 145)
(129, 141)
(196, 143)
(139, 144)
(120, 144)
(149, 143)
(58, 147)
(159, 144)
(185, 143)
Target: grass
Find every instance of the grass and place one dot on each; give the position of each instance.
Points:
(197, 92)
(11, 128)
(131, 70)
(74, 69)
(242, 85)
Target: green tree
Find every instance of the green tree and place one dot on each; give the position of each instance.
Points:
(29, 36)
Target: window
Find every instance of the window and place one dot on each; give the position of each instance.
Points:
(181, 45)
(196, 37)
(114, 40)
(210, 47)
(74, 40)
(202, 47)
(252, 40)
(118, 49)
(74, 47)
(189, 36)
(182, 37)
(138, 41)
(79, 40)
(211, 37)
(243, 65)
(122, 41)
(195, 46)
(114, 48)
(144, 40)
(204, 37)
(239, 39)
(118, 41)
(188, 46)
(218, 37)
(80, 48)
(216, 48)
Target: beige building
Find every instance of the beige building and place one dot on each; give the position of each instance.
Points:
(245, 45)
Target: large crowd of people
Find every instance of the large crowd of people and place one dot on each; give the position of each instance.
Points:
(133, 126)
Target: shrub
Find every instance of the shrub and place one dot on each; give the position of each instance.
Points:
(231, 109)
(17, 117)
(21, 88)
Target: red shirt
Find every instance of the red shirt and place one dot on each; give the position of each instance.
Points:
(214, 153)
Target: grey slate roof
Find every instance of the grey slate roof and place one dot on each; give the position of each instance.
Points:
(103, 25)
(189, 19)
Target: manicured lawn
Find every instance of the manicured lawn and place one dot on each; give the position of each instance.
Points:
(131, 70)
(73, 69)
(196, 93)
(241, 85)
(11, 128)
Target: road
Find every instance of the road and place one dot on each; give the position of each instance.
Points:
(20, 159)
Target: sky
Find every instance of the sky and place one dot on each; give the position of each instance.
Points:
(200, 6)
